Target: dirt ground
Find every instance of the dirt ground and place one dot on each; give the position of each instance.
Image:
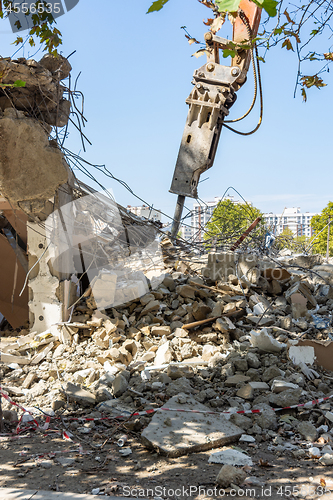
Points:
(30, 461)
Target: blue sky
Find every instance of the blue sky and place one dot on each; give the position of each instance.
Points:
(136, 72)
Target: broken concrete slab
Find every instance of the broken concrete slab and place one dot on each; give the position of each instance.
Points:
(23, 137)
(177, 433)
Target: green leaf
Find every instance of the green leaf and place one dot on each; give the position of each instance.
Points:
(314, 32)
(304, 95)
(18, 40)
(261, 59)
(227, 5)
(287, 44)
(268, 5)
(156, 6)
(228, 52)
(19, 83)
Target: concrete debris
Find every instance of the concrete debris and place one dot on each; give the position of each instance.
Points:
(140, 355)
(230, 475)
(265, 342)
(30, 187)
(308, 431)
(230, 456)
(42, 94)
(179, 433)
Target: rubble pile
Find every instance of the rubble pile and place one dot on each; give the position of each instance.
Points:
(32, 100)
(34, 87)
(250, 341)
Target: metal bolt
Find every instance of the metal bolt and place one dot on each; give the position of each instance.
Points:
(210, 67)
(202, 75)
(208, 36)
(224, 90)
(235, 71)
(199, 86)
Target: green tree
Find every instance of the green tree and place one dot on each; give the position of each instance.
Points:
(229, 221)
(288, 240)
(319, 225)
(43, 29)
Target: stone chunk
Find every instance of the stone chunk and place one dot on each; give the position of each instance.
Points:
(10, 415)
(153, 305)
(281, 385)
(289, 397)
(236, 379)
(30, 378)
(58, 66)
(23, 137)
(266, 418)
(265, 342)
(119, 385)
(253, 360)
(245, 392)
(230, 457)
(181, 385)
(241, 420)
(308, 431)
(174, 372)
(188, 432)
(161, 330)
(100, 338)
(230, 475)
(163, 354)
(186, 291)
(79, 395)
(180, 333)
(200, 311)
(270, 373)
(147, 298)
(240, 364)
(259, 386)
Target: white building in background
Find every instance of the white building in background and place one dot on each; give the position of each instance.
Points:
(201, 214)
(147, 212)
(292, 218)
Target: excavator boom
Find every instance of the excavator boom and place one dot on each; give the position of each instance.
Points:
(214, 92)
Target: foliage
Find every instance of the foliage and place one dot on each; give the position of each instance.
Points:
(230, 220)
(297, 29)
(287, 239)
(318, 224)
(17, 83)
(43, 29)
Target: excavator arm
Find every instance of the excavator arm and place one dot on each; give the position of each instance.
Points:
(214, 92)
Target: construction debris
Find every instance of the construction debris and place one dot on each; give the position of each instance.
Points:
(182, 433)
(186, 360)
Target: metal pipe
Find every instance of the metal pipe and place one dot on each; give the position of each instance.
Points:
(177, 216)
(245, 234)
